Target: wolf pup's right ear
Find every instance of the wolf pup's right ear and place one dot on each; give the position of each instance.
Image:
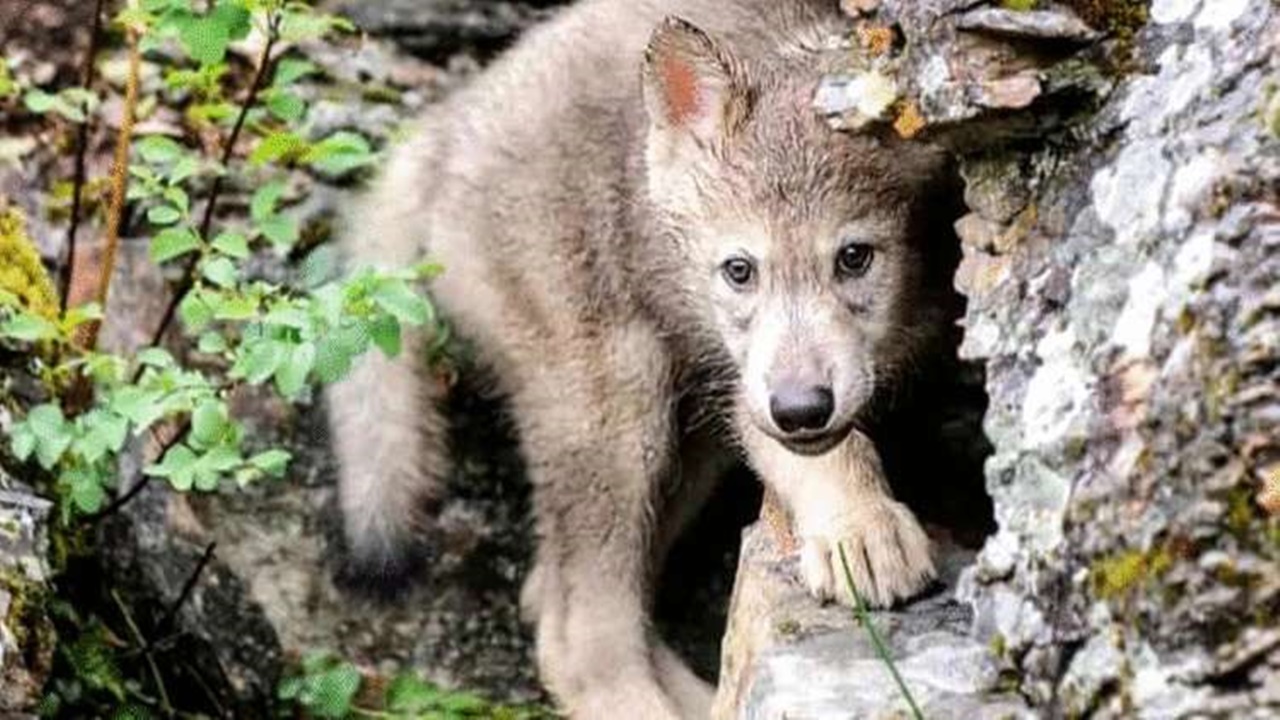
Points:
(693, 87)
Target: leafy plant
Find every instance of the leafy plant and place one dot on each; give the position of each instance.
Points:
(228, 326)
(329, 688)
(248, 331)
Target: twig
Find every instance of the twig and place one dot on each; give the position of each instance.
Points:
(119, 181)
(82, 149)
(166, 623)
(864, 617)
(228, 150)
(141, 641)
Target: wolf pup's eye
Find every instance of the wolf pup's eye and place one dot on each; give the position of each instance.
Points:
(738, 272)
(854, 259)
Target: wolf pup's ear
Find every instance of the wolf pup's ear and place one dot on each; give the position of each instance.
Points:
(693, 86)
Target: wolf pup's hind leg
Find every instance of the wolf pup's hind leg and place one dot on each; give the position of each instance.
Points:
(598, 433)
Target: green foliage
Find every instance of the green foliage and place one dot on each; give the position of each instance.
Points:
(330, 688)
(240, 328)
(249, 331)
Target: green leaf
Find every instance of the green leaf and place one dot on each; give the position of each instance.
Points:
(104, 433)
(236, 307)
(196, 311)
(85, 487)
(232, 244)
(281, 146)
(286, 105)
(395, 297)
(333, 692)
(206, 38)
(336, 351)
(290, 70)
(177, 466)
(265, 199)
(221, 272)
(339, 153)
(280, 231)
(172, 242)
(209, 423)
(163, 215)
(156, 357)
(142, 407)
(291, 376)
(159, 150)
(26, 327)
(260, 361)
(52, 432)
(22, 442)
(39, 101)
(410, 695)
(302, 23)
(212, 343)
(384, 330)
(272, 462)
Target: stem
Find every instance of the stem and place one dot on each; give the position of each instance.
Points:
(82, 149)
(228, 149)
(188, 587)
(864, 617)
(119, 180)
(165, 706)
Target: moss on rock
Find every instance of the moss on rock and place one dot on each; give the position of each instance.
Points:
(21, 272)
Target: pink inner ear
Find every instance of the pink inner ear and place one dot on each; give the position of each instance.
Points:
(680, 87)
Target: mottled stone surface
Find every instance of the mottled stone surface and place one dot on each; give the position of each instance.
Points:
(438, 29)
(1122, 272)
(1136, 410)
(787, 657)
(26, 633)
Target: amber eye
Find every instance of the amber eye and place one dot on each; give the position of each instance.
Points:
(854, 259)
(738, 272)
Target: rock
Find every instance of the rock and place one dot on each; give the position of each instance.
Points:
(784, 656)
(437, 29)
(26, 633)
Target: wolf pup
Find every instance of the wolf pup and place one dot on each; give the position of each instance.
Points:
(665, 257)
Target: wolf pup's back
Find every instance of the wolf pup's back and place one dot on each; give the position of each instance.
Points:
(634, 206)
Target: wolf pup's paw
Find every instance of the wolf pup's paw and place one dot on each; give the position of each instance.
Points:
(888, 553)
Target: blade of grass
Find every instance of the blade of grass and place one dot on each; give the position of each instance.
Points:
(864, 617)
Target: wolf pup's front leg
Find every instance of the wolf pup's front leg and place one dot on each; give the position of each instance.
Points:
(841, 498)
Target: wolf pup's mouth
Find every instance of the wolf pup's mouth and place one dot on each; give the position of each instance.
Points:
(813, 444)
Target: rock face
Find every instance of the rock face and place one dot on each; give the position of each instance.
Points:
(439, 29)
(785, 656)
(26, 634)
(1122, 264)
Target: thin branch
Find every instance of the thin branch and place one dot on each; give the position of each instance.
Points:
(82, 149)
(171, 613)
(119, 181)
(141, 641)
(228, 150)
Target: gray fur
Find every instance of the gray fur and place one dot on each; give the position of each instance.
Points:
(582, 195)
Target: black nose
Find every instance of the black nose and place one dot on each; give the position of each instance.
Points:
(801, 408)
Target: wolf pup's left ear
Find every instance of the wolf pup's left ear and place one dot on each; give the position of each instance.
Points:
(692, 85)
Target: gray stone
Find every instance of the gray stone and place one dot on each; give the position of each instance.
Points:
(784, 656)
(26, 633)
